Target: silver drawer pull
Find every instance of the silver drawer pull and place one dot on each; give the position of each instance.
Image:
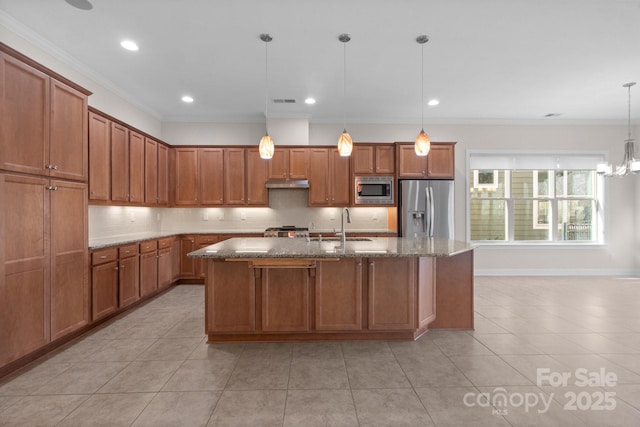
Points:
(103, 257)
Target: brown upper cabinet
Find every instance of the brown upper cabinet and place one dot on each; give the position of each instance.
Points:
(373, 159)
(136, 167)
(120, 166)
(100, 152)
(257, 194)
(234, 176)
(163, 175)
(45, 123)
(150, 171)
(438, 164)
(329, 178)
(289, 163)
(198, 176)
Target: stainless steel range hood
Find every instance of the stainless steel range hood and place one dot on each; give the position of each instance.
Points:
(297, 183)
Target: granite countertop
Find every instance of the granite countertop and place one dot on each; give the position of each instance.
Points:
(386, 247)
(107, 242)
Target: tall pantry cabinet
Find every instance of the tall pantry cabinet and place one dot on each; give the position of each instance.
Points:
(44, 293)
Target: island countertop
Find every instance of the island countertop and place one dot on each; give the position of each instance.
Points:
(279, 247)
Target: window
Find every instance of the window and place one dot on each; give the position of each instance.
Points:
(534, 198)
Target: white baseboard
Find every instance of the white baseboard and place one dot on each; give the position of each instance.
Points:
(556, 272)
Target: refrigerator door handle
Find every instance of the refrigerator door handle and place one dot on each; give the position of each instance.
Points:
(427, 212)
(432, 213)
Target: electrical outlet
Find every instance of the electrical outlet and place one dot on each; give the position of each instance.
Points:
(132, 216)
(221, 216)
(158, 217)
(205, 216)
(374, 216)
(243, 215)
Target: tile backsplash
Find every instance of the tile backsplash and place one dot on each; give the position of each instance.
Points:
(286, 207)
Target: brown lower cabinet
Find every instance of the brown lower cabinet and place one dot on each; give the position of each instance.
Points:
(293, 299)
(122, 275)
(148, 267)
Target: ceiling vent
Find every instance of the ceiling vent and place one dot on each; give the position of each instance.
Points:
(284, 101)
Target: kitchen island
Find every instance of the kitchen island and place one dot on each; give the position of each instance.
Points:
(296, 289)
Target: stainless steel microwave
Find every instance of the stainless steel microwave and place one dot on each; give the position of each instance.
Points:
(374, 190)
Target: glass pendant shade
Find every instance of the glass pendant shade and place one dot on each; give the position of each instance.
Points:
(266, 147)
(345, 144)
(422, 144)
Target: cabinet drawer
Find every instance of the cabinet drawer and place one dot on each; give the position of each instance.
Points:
(148, 246)
(104, 255)
(128, 251)
(165, 243)
(208, 240)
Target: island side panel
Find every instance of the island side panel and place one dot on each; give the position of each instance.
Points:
(454, 292)
(426, 292)
(230, 298)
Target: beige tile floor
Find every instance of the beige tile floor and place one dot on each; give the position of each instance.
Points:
(153, 367)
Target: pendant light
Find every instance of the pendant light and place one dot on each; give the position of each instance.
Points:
(423, 143)
(345, 143)
(629, 162)
(266, 143)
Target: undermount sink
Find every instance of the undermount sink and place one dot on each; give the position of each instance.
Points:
(337, 239)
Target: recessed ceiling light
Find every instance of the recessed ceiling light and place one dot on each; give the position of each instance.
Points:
(433, 102)
(129, 45)
(188, 99)
(310, 101)
(80, 4)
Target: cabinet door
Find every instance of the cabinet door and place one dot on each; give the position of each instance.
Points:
(150, 172)
(69, 130)
(409, 164)
(318, 177)
(104, 284)
(338, 302)
(285, 299)
(441, 162)
(24, 128)
(186, 168)
(298, 163)
(257, 194)
(385, 159)
(136, 168)
(363, 159)
(119, 163)
(164, 268)
(392, 288)
(99, 158)
(340, 179)
(148, 273)
(163, 175)
(211, 176)
(69, 258)
(234, 181)
(24, 266)
(129, 280)
(187, 265)
(279, 164)
(232, 285)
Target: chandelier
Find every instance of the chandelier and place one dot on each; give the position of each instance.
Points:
(629, 163)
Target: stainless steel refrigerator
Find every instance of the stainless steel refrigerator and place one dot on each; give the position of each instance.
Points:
(425, 208)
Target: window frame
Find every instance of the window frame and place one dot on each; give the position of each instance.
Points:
(599, 205)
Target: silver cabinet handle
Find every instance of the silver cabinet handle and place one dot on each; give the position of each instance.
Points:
(52, 188)
(103, 257)
(54, 167)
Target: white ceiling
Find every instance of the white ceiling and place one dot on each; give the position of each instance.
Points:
(487, 61)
